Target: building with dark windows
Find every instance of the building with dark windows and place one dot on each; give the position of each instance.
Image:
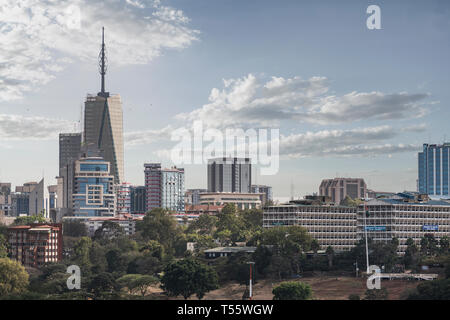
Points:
(434, 170)
(338, 188)
(229, 175)
(137, 199)
(69, 149)
(265, 191)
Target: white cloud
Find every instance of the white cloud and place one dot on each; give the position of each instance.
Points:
(147, 136)
(353, 142)
(39, 36)
(18, 127)
(250, 101)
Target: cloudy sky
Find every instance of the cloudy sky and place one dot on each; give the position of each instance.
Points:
(348, 101)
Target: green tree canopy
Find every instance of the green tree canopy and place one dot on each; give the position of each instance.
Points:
(137, 282)
(158, 225)
(292, 290)
(26, 220)
(187, 277)
(74, 228)
(13, 277)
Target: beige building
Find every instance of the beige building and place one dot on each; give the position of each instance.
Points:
(330, 225)
(338, 188)
(103, 128)
(241, 200)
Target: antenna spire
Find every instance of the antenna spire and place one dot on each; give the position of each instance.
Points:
(102, 64)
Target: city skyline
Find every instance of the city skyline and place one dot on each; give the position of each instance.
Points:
(361, 107)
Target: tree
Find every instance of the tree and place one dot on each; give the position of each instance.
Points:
(137, 282)
(74, 228)
(292, 290)
(81, 252)
(3, 246)
(204, 225)
(187, 277)
(444, 245)
(354, 297)
(315, 246)
(13, 277)
(376, 294)
(26, 220)
(432, 290)
(411, 257)
(102, 284)
(109, 230)
(330, 255)
(158, 225)
(428, 244)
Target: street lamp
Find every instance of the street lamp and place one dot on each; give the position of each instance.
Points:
(366, 214)
(250, 281)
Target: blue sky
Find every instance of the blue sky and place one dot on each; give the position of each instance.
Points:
(361, 102)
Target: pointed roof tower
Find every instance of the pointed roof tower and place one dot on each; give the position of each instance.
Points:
(102, 65)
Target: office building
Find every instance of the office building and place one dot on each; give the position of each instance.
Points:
(402, 216)
(123, 198)
(434, 170)
(330, 225)
(93, 194)
(338, 188)
(28, 199)
(164, 187)
(137, 200)
(229, 175)
(241, 200)
(192, 196)
(103, 124)
(265, 191)
(35, 245)
(69, 149)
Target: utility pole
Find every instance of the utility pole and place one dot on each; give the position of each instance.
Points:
(366, 213)
(250, 295)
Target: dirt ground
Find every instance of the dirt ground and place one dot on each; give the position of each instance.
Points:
(324, 288)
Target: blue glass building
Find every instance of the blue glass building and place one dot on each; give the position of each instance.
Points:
(93, 194)
(434, 169)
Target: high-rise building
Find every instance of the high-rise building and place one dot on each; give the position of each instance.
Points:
(229, 175)
(338, 188)
(28, 199)
(434, 169)
(123, 198)
(138, 203)
(265, 191)
(69, 149)
(93, 194)
(103, 124)
(165, 187)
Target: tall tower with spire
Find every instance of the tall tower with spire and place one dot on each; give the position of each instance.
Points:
(103, 122)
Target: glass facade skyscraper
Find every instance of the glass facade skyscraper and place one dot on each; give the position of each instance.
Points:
(434, 170)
